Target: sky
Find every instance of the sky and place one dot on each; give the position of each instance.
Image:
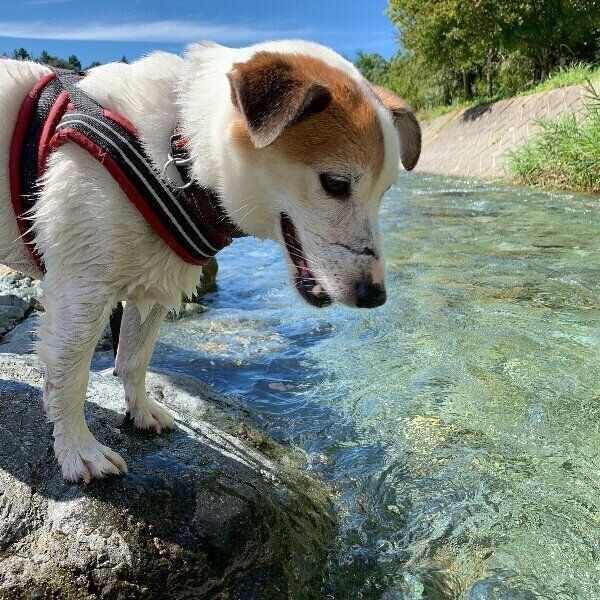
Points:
(106, 30)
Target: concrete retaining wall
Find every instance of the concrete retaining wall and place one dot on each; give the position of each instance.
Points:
(475, 141)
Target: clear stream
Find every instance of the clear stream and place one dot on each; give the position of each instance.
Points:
(459, 423)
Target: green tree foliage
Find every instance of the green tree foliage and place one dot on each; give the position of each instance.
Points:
(454, 50)
(372, 66)
(53, 61)
(72, 62)
(21, 54)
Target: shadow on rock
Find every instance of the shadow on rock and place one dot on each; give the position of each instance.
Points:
(213, 509)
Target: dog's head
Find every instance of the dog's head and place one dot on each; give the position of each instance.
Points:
(314, 148)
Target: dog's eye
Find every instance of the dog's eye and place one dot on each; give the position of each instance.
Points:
(335, 185)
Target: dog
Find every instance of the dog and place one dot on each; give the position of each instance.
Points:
(299, 148)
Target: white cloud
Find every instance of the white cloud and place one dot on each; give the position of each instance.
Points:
(150, 31)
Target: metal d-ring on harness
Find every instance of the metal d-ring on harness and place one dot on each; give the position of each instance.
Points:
(179, 157)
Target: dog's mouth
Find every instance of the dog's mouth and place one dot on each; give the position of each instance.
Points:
(306, 283)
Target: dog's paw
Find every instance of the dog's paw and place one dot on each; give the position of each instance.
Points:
(84, 461)
(151, 415)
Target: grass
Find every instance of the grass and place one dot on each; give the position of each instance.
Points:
(433, 112)
(565, 152)
(579, 73)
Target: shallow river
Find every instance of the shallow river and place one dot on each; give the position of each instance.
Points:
(459, 423)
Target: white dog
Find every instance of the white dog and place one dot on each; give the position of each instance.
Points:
(298, 146)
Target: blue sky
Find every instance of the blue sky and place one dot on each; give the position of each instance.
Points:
(105, 30)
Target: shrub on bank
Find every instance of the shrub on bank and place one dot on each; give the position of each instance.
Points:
(564, 153)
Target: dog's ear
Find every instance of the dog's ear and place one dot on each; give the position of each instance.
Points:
(272, 94)
(407, 126)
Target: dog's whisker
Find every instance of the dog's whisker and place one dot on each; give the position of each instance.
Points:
(249, 212)
(314, 263)
(242, 206)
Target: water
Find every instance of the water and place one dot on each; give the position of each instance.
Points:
(459, 423)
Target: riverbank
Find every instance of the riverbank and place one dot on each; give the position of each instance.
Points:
(477, 141)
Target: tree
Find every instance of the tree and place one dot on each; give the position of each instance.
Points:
(464, 38)
(21, 54)
(544, 29)
(74, 63)
(372, 66)
(450, 35)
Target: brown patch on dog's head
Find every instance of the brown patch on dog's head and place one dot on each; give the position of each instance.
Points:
(407, 126)
(312, 111)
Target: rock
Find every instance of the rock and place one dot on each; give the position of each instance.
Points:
(207, 284)
(214, 509)
(105, 342)
(12, 311)
(188, 309)
(13, 305)
(13, 282)
(22, 338)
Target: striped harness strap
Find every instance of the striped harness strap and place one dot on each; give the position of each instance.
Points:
(190, 220)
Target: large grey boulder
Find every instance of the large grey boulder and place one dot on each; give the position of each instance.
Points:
(214, 509)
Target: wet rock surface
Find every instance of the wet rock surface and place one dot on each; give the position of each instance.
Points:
(187, 309)
(214, 509)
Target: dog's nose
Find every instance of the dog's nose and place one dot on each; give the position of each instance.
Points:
(370, 295)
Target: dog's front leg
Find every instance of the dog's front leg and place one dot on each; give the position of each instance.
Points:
(75, 316)
(133, 356)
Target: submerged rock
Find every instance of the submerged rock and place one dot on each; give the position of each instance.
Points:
(207, 283)
(187, 309)
(214, 509)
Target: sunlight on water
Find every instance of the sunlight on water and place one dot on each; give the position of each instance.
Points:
(459, 423)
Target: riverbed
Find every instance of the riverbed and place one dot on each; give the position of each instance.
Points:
(459, 424)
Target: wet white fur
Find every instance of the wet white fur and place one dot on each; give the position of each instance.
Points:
(98, 249)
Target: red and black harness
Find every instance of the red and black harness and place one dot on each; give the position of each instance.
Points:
(188, 218)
